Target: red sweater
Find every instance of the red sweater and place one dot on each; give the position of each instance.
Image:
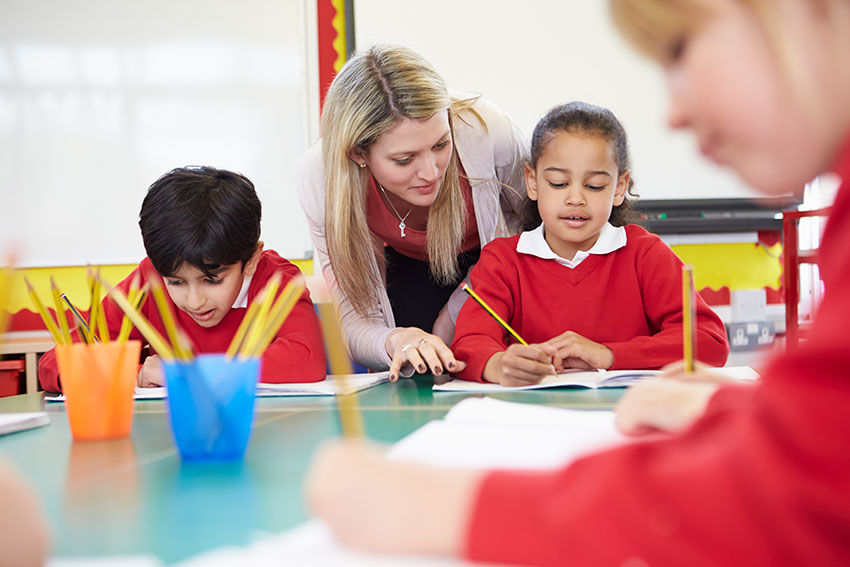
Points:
(630, 300)
(297, 354)
(763, 478)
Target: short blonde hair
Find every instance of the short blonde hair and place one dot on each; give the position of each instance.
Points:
(372, 92)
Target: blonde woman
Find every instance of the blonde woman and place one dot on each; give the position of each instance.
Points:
(757, 474)
(406, 185)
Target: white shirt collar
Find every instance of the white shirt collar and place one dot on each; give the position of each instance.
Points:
(242, 299)
(533, 242)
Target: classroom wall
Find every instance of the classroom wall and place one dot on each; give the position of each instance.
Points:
(100, 97)
(529, 56)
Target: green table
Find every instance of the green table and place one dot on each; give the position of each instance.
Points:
(133, 496)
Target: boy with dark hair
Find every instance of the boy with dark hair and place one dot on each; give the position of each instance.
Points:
(201, 231)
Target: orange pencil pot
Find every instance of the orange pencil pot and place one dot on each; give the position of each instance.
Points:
(98, 381)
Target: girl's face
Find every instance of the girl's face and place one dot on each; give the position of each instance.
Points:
(575, 184)
(410, 159)
(726, 84)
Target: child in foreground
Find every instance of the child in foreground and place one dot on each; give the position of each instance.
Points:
(760, 473)
(201, 231)
(583, 287)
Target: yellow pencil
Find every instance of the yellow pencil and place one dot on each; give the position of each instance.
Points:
(259, 322)
(82, 325)
(157, 341)
(97, 316)
(94, 304)
(60, 312)
(181, 350)
(688, 317)
(45, 316)
(349, 408)
(242, 330)
(137, 301)
(277, 315)
(499, 320)
(132, 294)
(102, 327)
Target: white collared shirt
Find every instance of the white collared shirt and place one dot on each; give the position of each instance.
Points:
(242, 299)
(534, 242)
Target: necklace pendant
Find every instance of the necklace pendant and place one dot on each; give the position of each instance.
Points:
(401, 227)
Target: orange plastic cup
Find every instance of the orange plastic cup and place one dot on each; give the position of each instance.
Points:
(98, 381)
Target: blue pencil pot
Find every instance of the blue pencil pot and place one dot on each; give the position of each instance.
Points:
(211, 406)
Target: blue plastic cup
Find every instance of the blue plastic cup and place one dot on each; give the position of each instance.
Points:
(211, 406)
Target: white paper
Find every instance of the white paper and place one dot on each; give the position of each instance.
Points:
(310, 544)
(106, 561)
(14, 422)
(333, 385)
(485, 433)
(476, 433)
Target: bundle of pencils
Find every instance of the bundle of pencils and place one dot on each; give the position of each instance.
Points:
(94, 329)
(264, 318)
(176, 346)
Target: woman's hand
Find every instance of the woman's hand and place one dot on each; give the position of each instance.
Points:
(151, 375)
(426, 352)
(520, 365)
(380, 505)
(575, 351)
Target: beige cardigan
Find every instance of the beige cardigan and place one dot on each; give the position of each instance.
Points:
(491, 157)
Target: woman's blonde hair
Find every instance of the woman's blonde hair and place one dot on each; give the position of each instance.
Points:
(369, 95)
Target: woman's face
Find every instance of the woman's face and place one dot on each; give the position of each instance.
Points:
(410, 159)
(728, 86)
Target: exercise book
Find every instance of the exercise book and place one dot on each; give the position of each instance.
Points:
(330, 386)
(584, 379)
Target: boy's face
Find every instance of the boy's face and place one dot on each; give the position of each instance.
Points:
(208, 299)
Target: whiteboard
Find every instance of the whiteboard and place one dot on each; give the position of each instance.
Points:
(529, 56)
(98, 98)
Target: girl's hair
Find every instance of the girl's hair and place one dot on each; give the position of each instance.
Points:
(370, 94)
(583, 118)
(201, 216)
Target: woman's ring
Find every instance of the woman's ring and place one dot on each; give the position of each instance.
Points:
(404, 350)
(421, 341)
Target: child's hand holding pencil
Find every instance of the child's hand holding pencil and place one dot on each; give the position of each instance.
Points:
(520, 365)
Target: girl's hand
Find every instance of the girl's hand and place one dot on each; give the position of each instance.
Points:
(663, 405)
(576, 351)
(380, 505)
(426, 352)
(520, 365)
(151, 375)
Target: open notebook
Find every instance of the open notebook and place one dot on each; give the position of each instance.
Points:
(330, 386)
(478, 433)
(584, 379)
